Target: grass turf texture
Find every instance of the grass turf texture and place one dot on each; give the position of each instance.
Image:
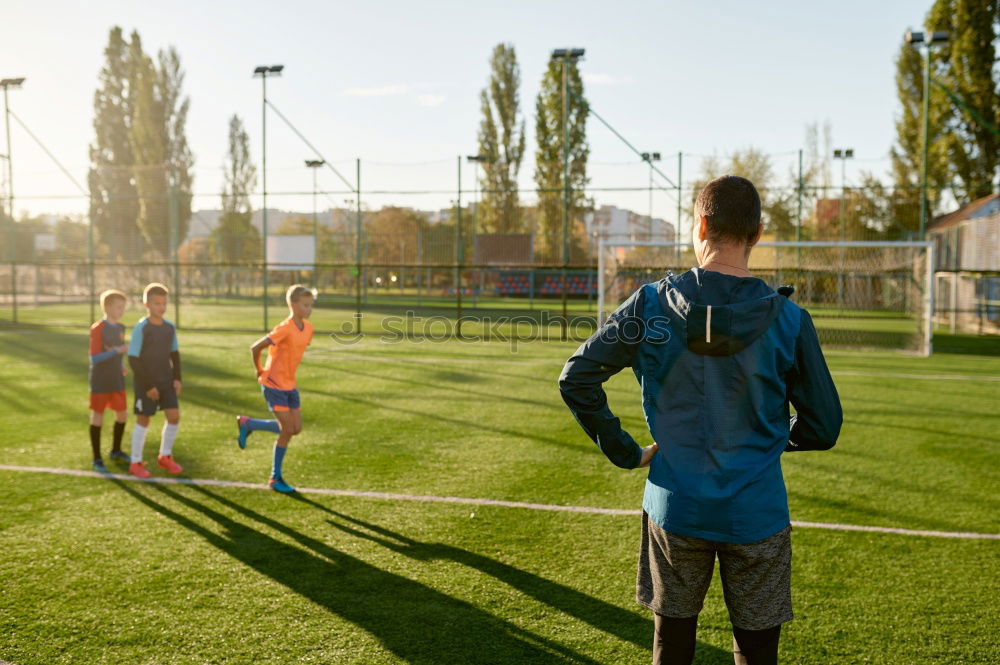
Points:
(98, 571)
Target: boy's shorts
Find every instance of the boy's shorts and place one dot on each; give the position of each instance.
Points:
(281, 400)
(115, 401)
(675, 571)
(144, 406)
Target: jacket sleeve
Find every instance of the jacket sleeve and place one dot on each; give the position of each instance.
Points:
(604, 354)
(818, 418)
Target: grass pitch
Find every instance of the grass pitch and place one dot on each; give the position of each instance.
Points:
(101, 571)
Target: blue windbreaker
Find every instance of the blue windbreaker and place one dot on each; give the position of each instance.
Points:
(718, 359)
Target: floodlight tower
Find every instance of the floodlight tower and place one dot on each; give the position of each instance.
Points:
(314, 164)
(649, 158)
(566, 55)
(263, 71)
(916, 39)
(7, 84)
(843, 154)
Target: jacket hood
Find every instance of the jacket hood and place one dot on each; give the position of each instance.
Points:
(723, 314)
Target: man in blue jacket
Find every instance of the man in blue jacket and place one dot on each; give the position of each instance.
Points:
(719, 356)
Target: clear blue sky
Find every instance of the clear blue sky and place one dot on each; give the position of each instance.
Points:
(398, 82)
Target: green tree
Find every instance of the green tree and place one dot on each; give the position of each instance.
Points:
(966, 66)
(501, 142)
(549, 171)
(235, 239)
(393, 234)
(113, 203)
(162, 158)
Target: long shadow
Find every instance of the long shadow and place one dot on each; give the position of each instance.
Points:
(624, 625)
(417, 623)
(893, 407)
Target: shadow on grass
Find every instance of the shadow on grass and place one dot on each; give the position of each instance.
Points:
(415, 622)
(976, 345)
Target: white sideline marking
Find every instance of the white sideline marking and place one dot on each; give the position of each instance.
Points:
(471, 501)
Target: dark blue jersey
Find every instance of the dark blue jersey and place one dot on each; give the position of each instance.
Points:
(105, 362)
(152, 354)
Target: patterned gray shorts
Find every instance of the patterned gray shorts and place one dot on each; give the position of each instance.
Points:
(675, 572)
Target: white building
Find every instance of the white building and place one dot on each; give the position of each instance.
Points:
(617, 223)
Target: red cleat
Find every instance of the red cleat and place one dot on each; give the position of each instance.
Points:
(138, 469)
(167, 462)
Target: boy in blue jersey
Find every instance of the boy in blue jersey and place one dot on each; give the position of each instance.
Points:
(719, 356)
(107, 377)
(156, 366)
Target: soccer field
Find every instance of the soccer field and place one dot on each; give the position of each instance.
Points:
(98, 570)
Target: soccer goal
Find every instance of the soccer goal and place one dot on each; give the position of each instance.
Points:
(861, 295)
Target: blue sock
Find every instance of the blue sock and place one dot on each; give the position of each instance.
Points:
(254, 425)
(279, 455)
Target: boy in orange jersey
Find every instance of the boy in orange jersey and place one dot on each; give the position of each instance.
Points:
(107, 376)
(285, 346)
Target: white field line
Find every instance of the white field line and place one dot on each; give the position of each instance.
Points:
(928, 377)
(392, 496)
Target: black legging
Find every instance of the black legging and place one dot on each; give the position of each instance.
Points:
(674, 641)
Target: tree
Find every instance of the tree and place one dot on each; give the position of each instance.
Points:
(501, 142)
(113, 203)
(906, 155)
(394, 235)
(549, 171)
(966, 66)
(162, 158)
(235, 239)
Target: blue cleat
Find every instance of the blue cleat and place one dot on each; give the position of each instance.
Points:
(99, 466)
(241, 425)
(279, 485)
(119, 456)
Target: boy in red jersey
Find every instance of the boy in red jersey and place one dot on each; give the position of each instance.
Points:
(285, 346)
(107, 376)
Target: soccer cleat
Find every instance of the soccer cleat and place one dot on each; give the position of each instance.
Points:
(279, 485)
(241, 425)
(99, 466)
(167, 462)
(119, 456)
(138, 469)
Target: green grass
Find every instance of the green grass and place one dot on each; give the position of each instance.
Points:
(98, 571)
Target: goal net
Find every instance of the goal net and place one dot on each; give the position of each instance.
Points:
(861, 295)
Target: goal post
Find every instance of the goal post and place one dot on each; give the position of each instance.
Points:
(861, 295)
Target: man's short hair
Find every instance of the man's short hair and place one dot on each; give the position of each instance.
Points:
(108, 296)
(154, 289)
(732, 206)
(296, 291)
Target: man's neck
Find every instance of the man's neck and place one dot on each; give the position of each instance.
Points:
(727, 259)
(155, 320)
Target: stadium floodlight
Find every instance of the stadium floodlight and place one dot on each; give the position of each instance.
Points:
(565, 55)
(477, 158)
(916, 39)
(314, 164)
(649, 158)
(263, 71)
(6, 84)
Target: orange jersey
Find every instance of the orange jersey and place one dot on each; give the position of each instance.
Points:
(288, 343)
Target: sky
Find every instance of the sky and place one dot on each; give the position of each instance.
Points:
(397, 83)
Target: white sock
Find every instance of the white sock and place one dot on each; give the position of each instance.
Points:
(167, 442)
(138, 441)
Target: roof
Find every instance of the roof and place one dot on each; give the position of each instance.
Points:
(983, 207)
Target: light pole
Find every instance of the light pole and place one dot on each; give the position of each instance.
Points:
(566, 55)
(915, 39)
(11, 231)
(843, 154)
(649, 158)
(314, 164)
(11, 249)
(263, 71)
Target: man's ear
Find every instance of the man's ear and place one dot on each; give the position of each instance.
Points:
(702, 228)
(756, 238)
